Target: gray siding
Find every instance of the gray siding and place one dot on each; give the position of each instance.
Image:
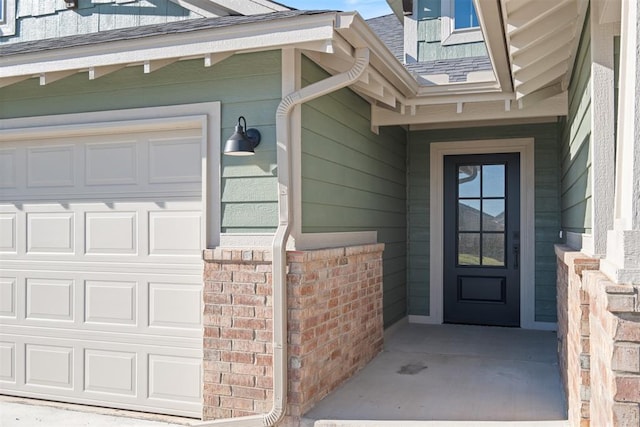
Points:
(576, 142)
(249, 193)
(547, 212)
(430, 46)
(43, 19)
(355, 180)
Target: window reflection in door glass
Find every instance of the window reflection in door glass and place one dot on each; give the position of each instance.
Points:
(468, 181)
(469, 249)
(493, 181)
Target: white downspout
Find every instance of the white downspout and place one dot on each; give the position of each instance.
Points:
(279, 246)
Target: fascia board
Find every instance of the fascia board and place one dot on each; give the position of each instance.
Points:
(355, 30)
(250, 37)
(490, 18)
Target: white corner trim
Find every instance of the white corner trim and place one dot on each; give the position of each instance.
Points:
(451, 36)
(524, 146)
(204, 115)
(8, 23)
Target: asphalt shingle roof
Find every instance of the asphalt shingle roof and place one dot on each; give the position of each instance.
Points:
(129, 33)
(389, 29)
(391, 32)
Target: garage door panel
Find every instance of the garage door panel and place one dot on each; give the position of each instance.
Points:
(111, 302)
(8, 168)
(49, 365)
(101, 270)
(174, 378)
(51, 166)
(114, 233)
(8, 297)
(8, 232)
(90, 371)
(50, 299)
(51, 232)
(7, 362)
(112, 163)
(175, 233)
(173, 305)
(175, 160)
(113, 372)
(151, 305)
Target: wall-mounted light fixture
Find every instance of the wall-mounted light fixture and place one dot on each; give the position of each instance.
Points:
(71, 4)
(242, 143)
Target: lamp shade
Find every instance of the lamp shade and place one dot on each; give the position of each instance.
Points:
(242, 143)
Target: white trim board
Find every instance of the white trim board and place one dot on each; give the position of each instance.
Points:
(524, 146)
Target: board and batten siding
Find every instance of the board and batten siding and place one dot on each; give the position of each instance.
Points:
(355, 180)
(547, 211)
(429, 36)
(576, 144)
(44, 19)
(246, 84)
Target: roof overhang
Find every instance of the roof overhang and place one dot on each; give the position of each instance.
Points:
(328, 38)
(532, 44)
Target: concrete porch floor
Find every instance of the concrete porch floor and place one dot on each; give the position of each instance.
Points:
(453, 375)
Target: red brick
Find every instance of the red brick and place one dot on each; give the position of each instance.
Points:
(249, 393)
(239, 379)
(240, 288)
(245, 323)
(236, 403)
(254, 300)
(249, 277)
(235, 356)
(237, 334)
(627, 388)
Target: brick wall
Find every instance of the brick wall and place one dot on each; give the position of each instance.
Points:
(334, 321)
(599, 343)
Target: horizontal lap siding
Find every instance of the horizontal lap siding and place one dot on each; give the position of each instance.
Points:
(547, 211)
(249, 188)
(576, 146)
(355, 180)
(38, 19)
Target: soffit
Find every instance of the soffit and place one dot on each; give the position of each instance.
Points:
(541, 38)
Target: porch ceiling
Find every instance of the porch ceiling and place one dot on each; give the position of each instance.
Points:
(541, 40)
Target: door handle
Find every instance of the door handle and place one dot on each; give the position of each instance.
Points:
(516, 256)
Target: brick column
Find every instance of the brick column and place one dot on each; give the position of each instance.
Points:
(238, 374)
(573, 332)
(334, 321)
(614, 319)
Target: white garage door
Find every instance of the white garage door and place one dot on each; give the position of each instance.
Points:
(101, 271)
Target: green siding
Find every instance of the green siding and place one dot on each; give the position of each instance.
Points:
(40, 19)
(429, 37)
(576, 143)
(249, 188)
(355, 180)
(547, 211)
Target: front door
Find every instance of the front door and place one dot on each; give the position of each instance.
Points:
(482, 239)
